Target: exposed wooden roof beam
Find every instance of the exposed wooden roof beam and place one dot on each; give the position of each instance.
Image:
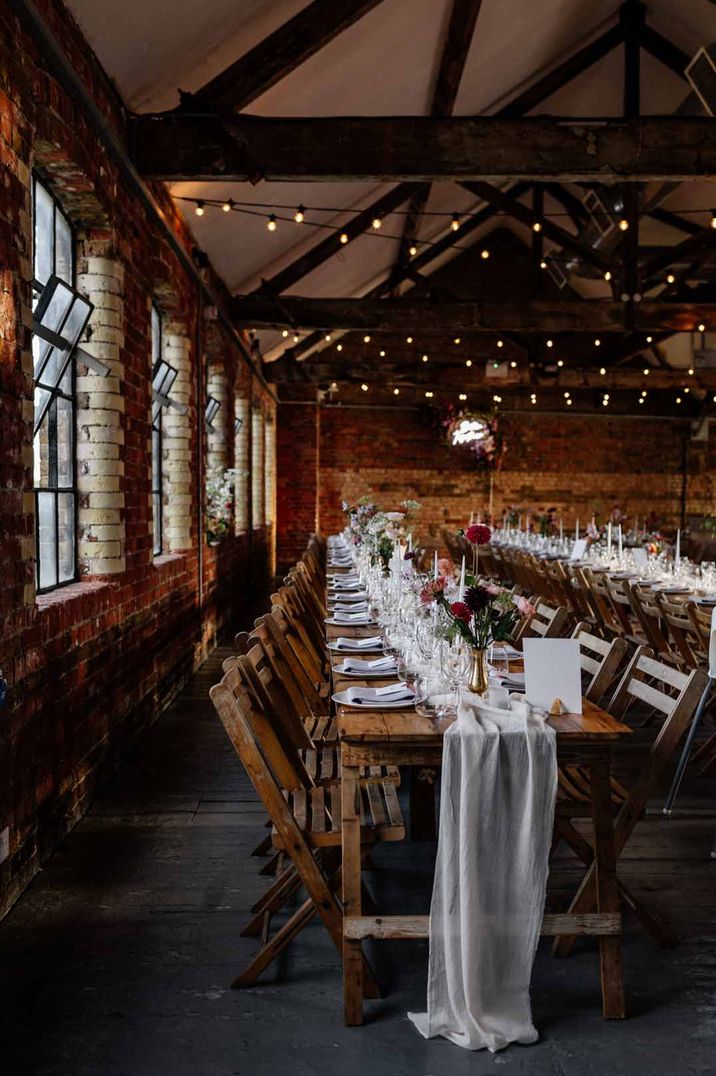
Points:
(426, 316)
(331, 245)
(277, 55)
(664, 50)
(463, 17)
(525, 215)
(423, 148)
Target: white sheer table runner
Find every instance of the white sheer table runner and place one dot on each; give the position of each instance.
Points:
(499, 782)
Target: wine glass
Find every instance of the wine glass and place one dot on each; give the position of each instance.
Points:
(498, 659)
(455, 660)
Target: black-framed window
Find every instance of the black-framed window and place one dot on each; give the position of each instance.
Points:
(157, 408)
(54, 453)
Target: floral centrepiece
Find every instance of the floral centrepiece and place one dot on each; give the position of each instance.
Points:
(379, 531)
(220, 502)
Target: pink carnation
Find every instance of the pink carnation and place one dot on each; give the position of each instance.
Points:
(478, 534)
(445, 566)
(431, 590)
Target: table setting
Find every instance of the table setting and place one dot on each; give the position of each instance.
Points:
(457, 695)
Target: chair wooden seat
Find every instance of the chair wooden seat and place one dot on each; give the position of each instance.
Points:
(323, 765)
(317, 812)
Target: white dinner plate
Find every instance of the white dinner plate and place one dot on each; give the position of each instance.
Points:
(344, 698)
(358, 622)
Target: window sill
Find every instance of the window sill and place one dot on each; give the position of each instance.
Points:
(163, 559)
(73, 592)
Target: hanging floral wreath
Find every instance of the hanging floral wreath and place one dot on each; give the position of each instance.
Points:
(477, 433)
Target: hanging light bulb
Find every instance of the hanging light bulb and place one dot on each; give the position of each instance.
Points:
(300, 215)
(327, 338)
(550, 343)
(382, 354)
(463, 396)
(339, 347)
(412, 249)
(536, 227)
(670, 278)
(457, 339)
(702, 327)
(468, 362)
(366, 339)
(455, 222)
(295, 338)
(396, 392)
(500, 343)
(428, 395)
(485, 254)
(271, 223)
(649, 339)
(543, 264)
(597, 342)
(623, 224)
(713, 219)
(425, 358)
(228, 205)
(364, 387)
(608, 275)
(560, 362)
(199, 209)
(408, 339)
(284, 334)
(377, 223)
(343, 238)
(602, 371)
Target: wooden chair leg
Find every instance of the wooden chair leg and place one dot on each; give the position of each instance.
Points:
(271, 949)
(662, 934)
(264, 847)
(279, 892)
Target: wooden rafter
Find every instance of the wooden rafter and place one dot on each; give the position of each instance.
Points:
(329, 246)
(277, 55)
(525, 215)
(426, 316)
(463, 17)
(423, 148)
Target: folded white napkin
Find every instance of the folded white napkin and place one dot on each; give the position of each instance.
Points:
(352, 584)
(350, 607)
(375, 642)
(341, 617)
(385, 664)
(374, 696)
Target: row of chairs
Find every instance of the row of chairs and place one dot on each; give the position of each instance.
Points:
(274, 704)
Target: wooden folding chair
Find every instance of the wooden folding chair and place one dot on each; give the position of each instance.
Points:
(548, 622)
(306, 827)
(676, 698)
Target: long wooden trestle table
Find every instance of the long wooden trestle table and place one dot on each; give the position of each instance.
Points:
(404, 738)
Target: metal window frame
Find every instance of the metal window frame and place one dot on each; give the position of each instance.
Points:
(157, 524)
(54, 489)
(211, 410)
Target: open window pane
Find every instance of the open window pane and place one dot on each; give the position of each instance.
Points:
(163, 376)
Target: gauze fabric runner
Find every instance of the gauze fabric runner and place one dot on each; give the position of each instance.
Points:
(499, 782)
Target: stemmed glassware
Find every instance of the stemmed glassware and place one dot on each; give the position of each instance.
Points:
(455, 660)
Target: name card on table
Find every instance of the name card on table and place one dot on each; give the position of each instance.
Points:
(553, 671)
(579, 549)
(641, 557)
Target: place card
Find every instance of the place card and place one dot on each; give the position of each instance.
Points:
(553, 671)
(641, 557)
(579, 549)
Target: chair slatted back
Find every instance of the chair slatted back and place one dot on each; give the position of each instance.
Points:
(548, 622)
(648, 611)
(278, 695)
(680, 625)
(599, 659)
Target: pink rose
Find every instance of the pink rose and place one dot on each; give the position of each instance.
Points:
(445, 566)
(494, 589)
(478, 534)
(524, 607)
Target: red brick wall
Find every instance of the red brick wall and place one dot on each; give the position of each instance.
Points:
(577, 465)
(298, 447)
(90, 665)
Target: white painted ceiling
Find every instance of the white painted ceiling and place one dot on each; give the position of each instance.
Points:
(385, 64)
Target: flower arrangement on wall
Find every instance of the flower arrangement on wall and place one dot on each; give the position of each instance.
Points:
(219, 503)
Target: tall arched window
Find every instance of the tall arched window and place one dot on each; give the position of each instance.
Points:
(157, 408)
(257, 469)
(54, 469)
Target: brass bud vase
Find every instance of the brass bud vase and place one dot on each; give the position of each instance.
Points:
(478, 682)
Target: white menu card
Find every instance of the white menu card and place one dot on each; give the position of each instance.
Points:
(552, 671)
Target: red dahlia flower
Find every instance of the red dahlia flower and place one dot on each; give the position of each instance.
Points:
(459, 609)
(478, 534)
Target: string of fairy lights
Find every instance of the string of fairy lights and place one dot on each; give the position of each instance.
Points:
(276, 215)
(283, 214)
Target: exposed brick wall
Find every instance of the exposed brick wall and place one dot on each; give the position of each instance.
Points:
(573, 464)
(90, 665)
(297, 449)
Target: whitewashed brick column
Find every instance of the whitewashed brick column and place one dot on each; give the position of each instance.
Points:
(100, 432)
(216, 438)
(257, 469)
(176, 442)
(241, 463)
(269, 470)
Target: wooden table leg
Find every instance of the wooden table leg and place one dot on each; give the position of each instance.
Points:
(352, 905)
(610, 947)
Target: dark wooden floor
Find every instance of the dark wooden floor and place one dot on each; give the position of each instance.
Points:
(117, 960)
